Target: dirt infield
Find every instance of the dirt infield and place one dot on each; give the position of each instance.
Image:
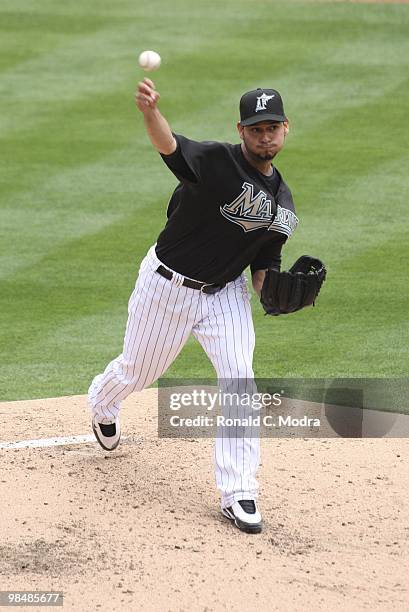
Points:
(140, 528)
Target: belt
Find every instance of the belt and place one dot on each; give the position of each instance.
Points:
(192, 284)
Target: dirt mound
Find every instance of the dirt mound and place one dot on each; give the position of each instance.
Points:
(140, 528)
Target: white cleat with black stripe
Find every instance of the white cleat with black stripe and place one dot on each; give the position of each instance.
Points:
(245, 515)
(107, 432)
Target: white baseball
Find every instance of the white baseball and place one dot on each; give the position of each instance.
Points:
(149, 60)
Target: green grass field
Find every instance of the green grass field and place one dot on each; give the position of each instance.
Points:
(83, 194)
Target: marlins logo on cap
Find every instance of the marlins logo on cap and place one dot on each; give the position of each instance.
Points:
(261, 105)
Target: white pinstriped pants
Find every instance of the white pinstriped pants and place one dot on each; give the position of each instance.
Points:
(162, 315)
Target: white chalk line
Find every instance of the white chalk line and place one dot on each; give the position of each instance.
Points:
(47, 442)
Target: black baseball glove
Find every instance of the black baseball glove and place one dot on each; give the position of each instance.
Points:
(285, 292)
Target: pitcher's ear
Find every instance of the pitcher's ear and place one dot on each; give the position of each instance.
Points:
(286, 127)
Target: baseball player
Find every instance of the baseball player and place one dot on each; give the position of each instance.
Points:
(230, 210)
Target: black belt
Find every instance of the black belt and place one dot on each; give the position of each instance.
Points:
(192, 284)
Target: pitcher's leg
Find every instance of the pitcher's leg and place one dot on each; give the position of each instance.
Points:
(161, 316)
(227, 335)
(237, 447)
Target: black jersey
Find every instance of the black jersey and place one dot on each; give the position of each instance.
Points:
(224, 215)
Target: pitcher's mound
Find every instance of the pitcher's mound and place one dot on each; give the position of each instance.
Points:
(140, 528)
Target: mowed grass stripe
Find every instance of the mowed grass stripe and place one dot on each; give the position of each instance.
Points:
(115, 63)
(59, 306)
(350, 183)
(359, 327)
(64, 211)
(74, 127)
(84, 276)
(97, 62)
(79, 201)
(369, 213)
(28, 36)
(82, 148)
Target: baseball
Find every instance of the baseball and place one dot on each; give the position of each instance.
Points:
(149, 60)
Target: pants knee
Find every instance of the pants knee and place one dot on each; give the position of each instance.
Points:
(128, 375)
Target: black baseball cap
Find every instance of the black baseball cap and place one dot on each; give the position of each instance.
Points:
(261, 105)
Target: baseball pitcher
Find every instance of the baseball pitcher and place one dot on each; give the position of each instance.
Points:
(230, 210)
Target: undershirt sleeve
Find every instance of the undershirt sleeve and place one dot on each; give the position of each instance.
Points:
(269, 256)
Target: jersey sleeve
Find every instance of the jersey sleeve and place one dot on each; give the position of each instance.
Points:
(269, 256)
(191, 160)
